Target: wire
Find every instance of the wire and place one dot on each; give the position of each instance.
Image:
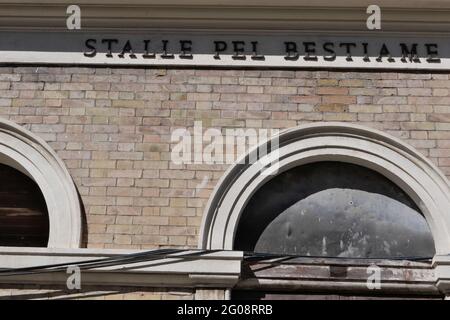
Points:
(254, 256)
(106, 262)
(161, 254)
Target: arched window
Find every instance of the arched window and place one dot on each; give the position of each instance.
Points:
(340, 190)
(32, 161)
(333, 209)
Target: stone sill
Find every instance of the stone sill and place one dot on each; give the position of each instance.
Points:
(222, 270)
(219, 269)
(343, 276)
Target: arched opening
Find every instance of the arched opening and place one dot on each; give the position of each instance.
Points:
(330, 200)
(333, 209)
(415, 178)
(47, 175)
(24, 218)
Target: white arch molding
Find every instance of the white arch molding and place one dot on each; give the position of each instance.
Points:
(331, 141)
(33, 157)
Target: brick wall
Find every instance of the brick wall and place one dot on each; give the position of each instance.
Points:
(112, 128)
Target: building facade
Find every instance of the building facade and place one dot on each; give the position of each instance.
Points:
(114, 143)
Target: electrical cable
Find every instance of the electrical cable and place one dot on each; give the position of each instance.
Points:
(250, 256)
(160, 254)
(97, 263)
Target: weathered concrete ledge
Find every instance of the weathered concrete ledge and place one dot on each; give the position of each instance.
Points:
(219, 269)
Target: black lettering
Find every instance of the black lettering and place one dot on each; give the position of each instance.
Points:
(219, 47)
(348, 49)
(366, 51)
(432, 53)
(329, 48)
(147, 54)
(291, 51)
(90, 44)
(310, 51)
(239, 49)
(127, 48)
(166, 55)
(409, 54)
(384, 52)
(255, 55)
(186, 49)
(109, 47)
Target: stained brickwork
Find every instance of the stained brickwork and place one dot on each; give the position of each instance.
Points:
(112, 127)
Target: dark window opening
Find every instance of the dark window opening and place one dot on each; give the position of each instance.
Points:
(333, 209)
(24, 218)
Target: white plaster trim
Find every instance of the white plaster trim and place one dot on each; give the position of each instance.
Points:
(441, 265)
(366, 147)
(32, 156)
(216, 269)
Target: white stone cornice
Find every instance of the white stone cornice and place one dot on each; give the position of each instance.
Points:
(347, 15)
(441, 265)
(216, 269)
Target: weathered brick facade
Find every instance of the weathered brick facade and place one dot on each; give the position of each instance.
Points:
(112, 127)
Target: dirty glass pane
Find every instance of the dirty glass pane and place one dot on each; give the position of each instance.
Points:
(24, 218)
(334, 209)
